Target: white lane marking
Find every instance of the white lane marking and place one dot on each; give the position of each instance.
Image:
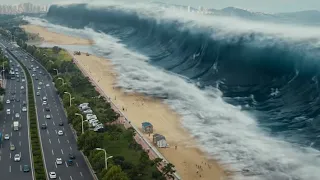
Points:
(71, 178)
(19, 133)
(63, 128)
(20, 143)
(9, 168)
(52, 152)
(53, 123)
(65, 134)
(20, 154)
(20, 168)
(61, 151)
(70, 148)
(59, 178)
(81, 174)
(47, 131)
(56, 165)
(50, 141)
(77, 164)
(56, 131)
(0, 158)
(10, 155)
(59, 140)
(66, 164)
(11, 134)
(68, 141)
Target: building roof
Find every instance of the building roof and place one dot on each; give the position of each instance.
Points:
(159, 137)
(146, 124)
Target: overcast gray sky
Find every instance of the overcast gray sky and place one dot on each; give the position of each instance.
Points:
(269, 6)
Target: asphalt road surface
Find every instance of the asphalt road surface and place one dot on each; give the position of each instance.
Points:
(20, 139)
(54, 146)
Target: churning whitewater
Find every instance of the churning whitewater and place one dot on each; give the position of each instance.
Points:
(247, 91)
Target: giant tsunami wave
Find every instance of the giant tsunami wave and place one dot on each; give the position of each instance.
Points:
(268, 74)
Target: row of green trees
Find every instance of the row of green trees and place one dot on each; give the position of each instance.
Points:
(129, 160)
(4, 62)
(37, 155)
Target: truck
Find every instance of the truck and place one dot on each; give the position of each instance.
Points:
(15, 125)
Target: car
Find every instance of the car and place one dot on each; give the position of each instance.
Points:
(48, 116)
(43, 126)
(60, 132)
(36, 78)
(12, 147)
(24, 102)
(44, 103)
(12, 98)
(23, 80)
(38, 93)
(70, 162)
(40, 83)
(17, 115)
(40, 72)
(17, 100)
(37, 67)
(39, 87)
(18, 76)
(26, 168)
(8, 101)
(8, 111)
(71, 156)
(60, 123)
(44, 98)
(47, 109)
(22, 87)
(33, 75)
(6, 136)
(47, 85)
(58, 161)
(52, 175)
(17, 157)
(24, 109)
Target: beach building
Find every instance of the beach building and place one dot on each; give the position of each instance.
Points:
(160, 140)
(147, 127)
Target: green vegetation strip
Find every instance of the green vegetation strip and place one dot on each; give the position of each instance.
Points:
(35, 141)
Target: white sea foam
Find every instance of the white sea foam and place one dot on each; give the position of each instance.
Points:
(224, 131)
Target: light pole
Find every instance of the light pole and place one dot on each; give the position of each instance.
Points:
(70, 97)
(56, 71)
(105, 156)
(63, 83)
(77, 114)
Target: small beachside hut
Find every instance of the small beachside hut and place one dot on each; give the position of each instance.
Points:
(160, 140)
(147, 127)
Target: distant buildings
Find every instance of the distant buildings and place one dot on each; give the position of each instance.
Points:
(23, 8)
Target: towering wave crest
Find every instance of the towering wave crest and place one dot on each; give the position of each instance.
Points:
(268, 70)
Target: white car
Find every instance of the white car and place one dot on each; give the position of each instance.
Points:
(6, 137)
(8, 101)
(44, 98)
(23, 80)
(47, 85)
(40, 83)
(33, 75)
(48, 116)
(38, 93)
(60, 132)
(22, 87)
(8, 111)
(52, 175)
(17, 157)
(39, 87)
(44, 103)
(17, 115)
(58, 161)
(24, 109)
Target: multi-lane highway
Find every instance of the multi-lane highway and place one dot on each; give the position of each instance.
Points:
(14, 101)
(54, 145)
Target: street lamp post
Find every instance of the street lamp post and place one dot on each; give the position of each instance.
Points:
(56, 71)
(77, 114)
(70, 97)
(105, 156)
(63, 83)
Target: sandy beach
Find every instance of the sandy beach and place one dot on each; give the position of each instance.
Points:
(186, 157)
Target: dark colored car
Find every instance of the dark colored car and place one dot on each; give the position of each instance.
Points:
(47, 109)
(13, 93)
(18, 100)
(24, 102)
(60, 123)
(12, 98)
(43, 126)
(71, 156)
(26, 168)
(70, 162)
(36, 78)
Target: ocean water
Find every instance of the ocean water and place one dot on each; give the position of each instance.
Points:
(247, 91)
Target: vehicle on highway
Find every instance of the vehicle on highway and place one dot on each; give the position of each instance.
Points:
(26, 168)
(36, 78)
(44, 103)
(8, 111)
(8, 101)
(58, 161)
(47, 109)
(22, 87)
(24, 109)
(60, 123)
(16, 125)
(13, 93)
(12, 147)
(37, 67)
(47, 85)
(24, 103)
(12, 98)
(60, 132)
(52, 175)
(38, 93)
(17, 100)
(39, 87)
(17, 157)
(23, 80)
(43, 126)
(48, 116)
(71, 156)
(70, 162)
(33, 75)
(40, 83)
(44, 98)
(18, 80)
(17, 115)
(6, 136)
